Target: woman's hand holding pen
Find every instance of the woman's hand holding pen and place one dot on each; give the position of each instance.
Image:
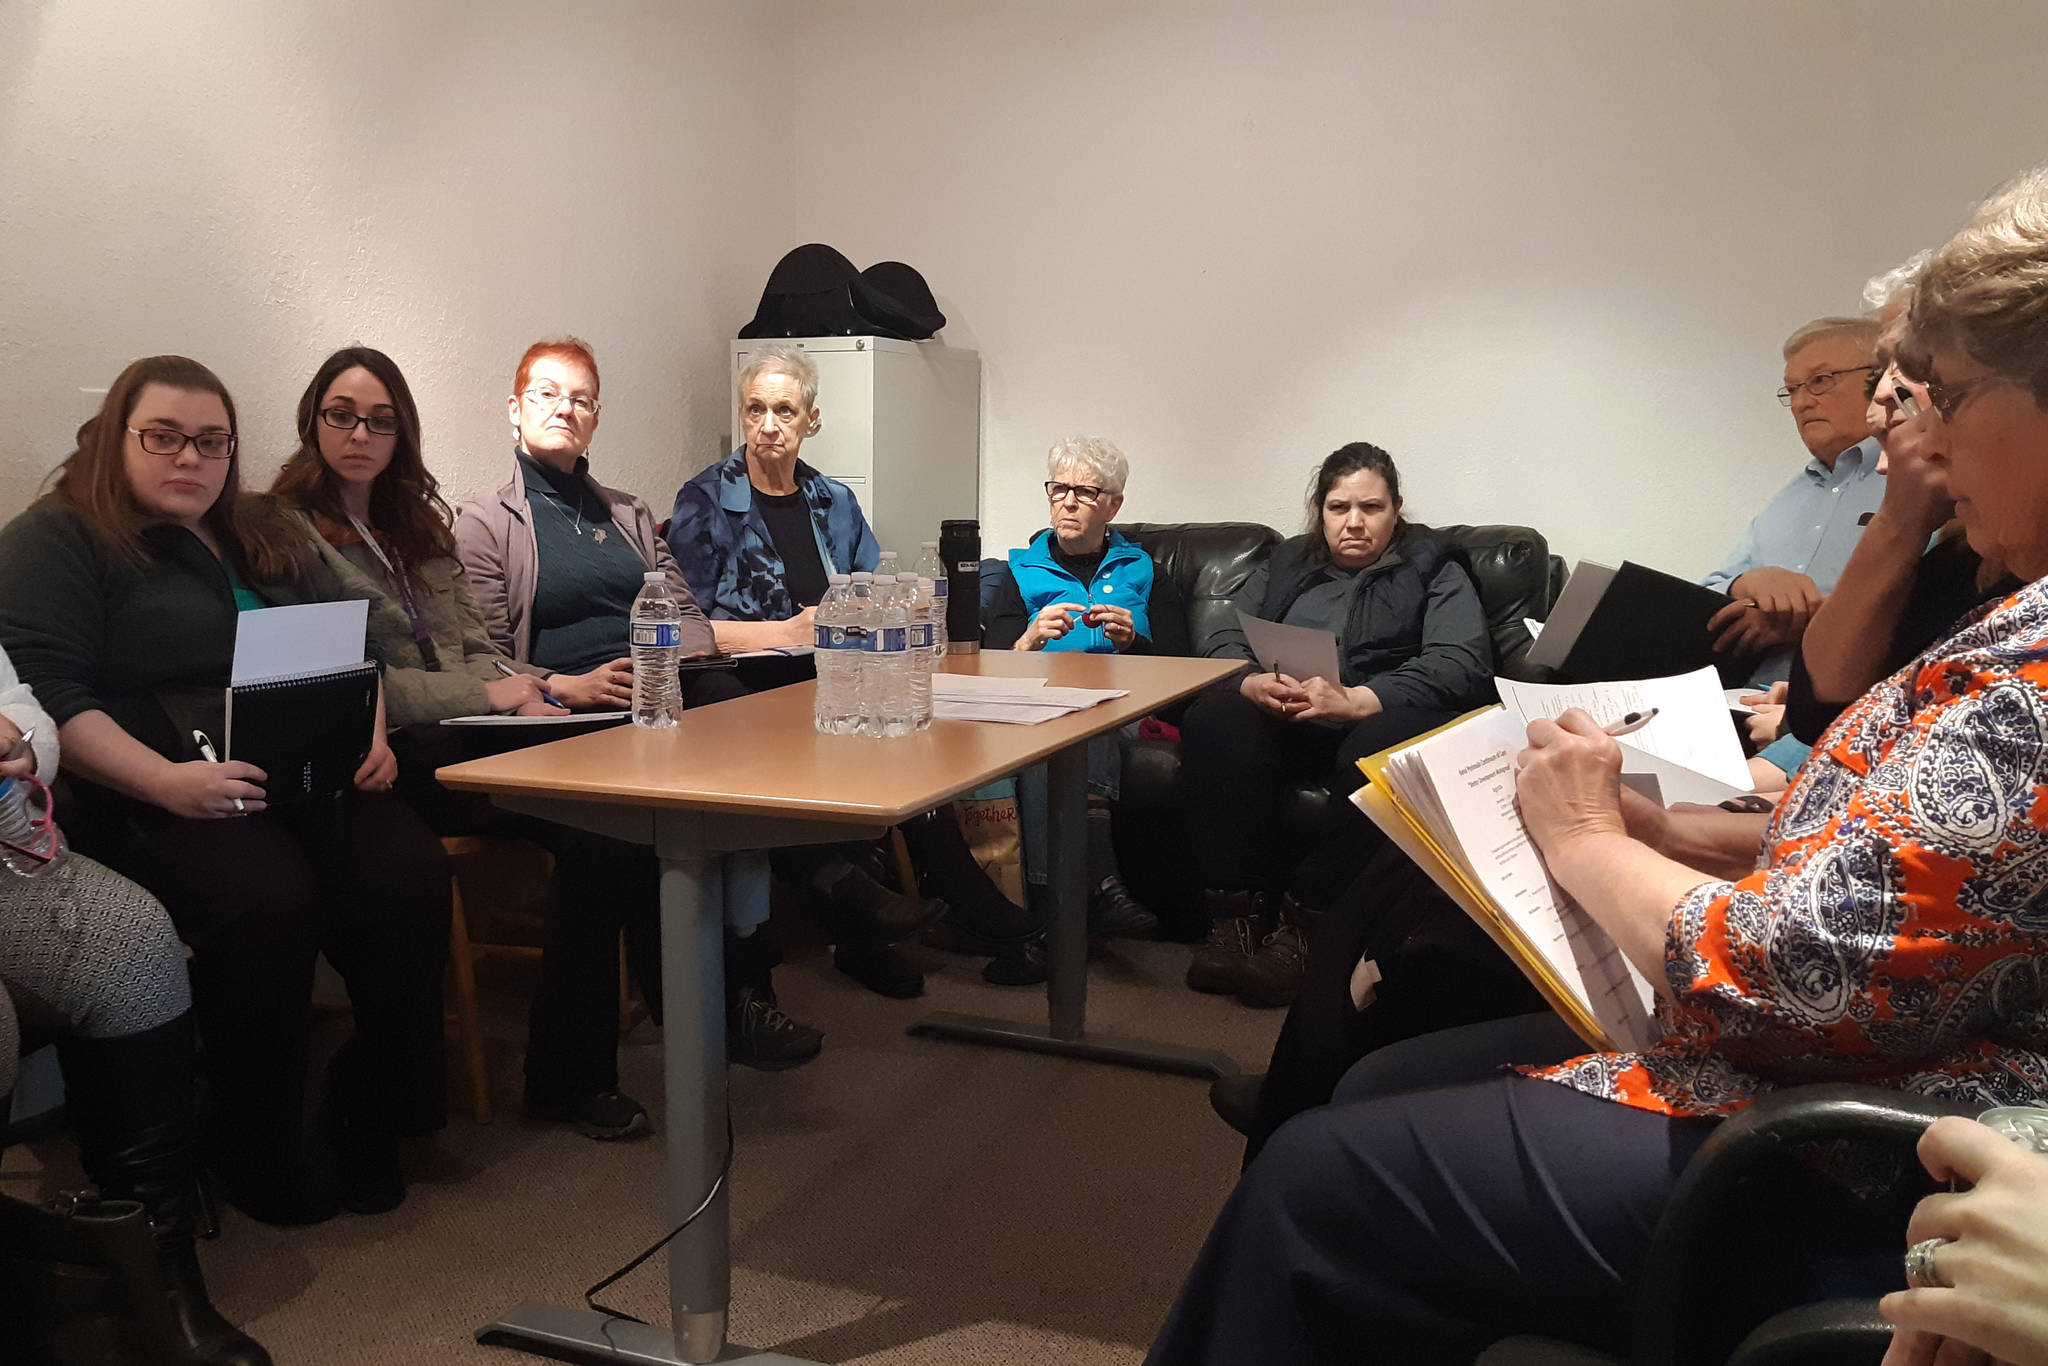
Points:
(203, 790)
(515, 692)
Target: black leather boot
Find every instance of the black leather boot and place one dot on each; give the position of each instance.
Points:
(131, 1101)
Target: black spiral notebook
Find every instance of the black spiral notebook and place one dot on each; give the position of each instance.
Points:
(308, 732)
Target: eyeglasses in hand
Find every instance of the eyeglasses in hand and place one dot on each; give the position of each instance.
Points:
(215, 445)
(346, 420)
(1819, 384)
(1088, 495)
(547, 398)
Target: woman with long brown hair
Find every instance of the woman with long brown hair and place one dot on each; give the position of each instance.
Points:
(377, 512)
(119, 595)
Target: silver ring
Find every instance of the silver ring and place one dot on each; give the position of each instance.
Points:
(1921, 1272)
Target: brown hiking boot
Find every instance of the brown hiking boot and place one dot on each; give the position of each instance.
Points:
(1237, 922)
(1273, 975)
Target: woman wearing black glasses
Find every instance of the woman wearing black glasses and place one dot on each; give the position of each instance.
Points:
(120, 591)
(358, 477)
(1080, 586)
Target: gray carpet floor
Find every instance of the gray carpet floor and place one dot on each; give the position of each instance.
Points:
(898, 1200)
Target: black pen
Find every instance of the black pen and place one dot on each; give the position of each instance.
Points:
(545, 695)
(1633, 722)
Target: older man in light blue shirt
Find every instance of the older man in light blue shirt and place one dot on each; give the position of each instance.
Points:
(1798, 545)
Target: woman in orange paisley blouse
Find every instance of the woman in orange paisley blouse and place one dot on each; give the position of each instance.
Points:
(1887, 924)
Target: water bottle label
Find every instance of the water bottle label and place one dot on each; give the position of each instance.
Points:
(889, 639)
(839, 637)
(939, 589)
(921, 635)
(666, 635)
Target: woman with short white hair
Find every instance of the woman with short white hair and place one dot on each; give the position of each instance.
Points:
(1079, 585)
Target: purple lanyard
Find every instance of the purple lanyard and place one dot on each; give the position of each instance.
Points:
(394, 565)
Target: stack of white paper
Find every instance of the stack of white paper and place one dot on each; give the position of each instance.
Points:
(1009, 701)
(1689, 753)
(1461, 785)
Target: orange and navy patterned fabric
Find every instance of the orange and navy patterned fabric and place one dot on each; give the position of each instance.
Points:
(1896, 931)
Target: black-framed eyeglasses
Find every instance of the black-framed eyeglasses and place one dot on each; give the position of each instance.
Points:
(1907, 404)
(1819, 384)
(170, 441)
(547, 398)
(346, 419)
(1946, 398)
(1087, 494)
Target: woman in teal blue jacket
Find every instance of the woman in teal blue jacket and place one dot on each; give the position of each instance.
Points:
(1079, 586)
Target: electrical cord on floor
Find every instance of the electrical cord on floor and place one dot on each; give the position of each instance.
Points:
(717, 1185)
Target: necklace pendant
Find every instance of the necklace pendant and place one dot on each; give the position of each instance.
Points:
(598, 535)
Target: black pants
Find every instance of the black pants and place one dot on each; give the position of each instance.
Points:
(1236, 763)
(1420, 1225)
(360, 878)
(1439, 971)
(601, 887)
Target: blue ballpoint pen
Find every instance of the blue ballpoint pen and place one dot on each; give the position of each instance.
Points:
(545, 695)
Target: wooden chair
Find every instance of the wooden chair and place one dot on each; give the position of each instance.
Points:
(464, 953)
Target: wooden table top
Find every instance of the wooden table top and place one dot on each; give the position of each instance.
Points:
(760, 755)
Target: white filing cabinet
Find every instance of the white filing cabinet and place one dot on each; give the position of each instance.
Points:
(900, 426)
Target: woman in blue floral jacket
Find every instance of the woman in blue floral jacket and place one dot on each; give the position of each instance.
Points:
(757, 533)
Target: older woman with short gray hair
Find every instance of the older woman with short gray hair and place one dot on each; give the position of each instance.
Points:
(1079, 585)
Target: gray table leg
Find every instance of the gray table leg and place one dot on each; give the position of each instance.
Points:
(693, 1063)
(693, 1060)
(1066, 986)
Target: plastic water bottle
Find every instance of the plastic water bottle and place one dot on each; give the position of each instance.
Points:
(887, 675)
(840, 637)
(931, 567)
(860, 593)
(27, 847)
(657, 640)
(916, 595)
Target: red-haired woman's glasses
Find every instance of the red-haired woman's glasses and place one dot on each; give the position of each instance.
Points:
(171, 441)
(345, 420)
(547, 398)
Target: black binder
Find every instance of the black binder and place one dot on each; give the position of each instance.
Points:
(309, 733)
(1647, 624)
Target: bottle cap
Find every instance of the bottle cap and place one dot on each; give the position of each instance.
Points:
(863, 576)
(838, 578)
(654, 576)
(927, 545)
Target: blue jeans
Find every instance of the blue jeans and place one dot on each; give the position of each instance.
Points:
(1105, 779)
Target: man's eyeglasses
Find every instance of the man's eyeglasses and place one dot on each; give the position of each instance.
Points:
(547, 398)
(171, 441)
(345, 420)
(1819, 384)
(1946, 398)
(1088, 495)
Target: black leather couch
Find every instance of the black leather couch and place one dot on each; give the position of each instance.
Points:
(1197, 567)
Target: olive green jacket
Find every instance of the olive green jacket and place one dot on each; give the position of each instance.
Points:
(412, 692)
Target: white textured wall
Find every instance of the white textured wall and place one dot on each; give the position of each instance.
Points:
(255, 184)
(1543, 253)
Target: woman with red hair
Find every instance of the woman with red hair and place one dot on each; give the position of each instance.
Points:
(555, 560)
